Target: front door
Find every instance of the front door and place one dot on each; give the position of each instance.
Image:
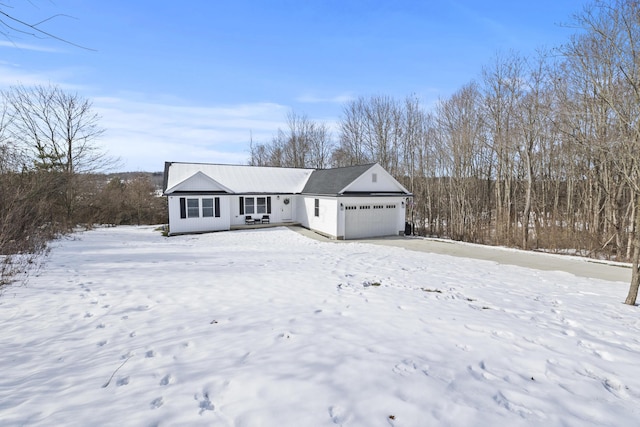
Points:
(285, 209)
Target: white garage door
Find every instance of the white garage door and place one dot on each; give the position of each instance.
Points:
(370, 220)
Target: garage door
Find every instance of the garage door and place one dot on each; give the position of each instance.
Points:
(370, 220)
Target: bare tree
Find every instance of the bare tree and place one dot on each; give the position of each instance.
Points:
(321, 146)
(463, 161)
(351, 150)
(501, 93)
(57, 128)
(58, 133)
(302, 144)
(607, 54)
(533, 112)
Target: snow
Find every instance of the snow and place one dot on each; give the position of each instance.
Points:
(236, 178)
(269, 328)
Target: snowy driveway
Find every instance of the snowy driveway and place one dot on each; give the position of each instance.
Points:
(579, 266)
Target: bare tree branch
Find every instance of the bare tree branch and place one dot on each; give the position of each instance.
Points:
(18, 25)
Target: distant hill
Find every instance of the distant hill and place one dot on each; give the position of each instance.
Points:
(154, 177)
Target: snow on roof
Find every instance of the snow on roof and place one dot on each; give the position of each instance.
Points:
(240, 178)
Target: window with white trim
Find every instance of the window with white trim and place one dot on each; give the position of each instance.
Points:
(261, 205)
(255, 205)
(193, 208)
(207, 208)
(249, 205)
(316, 207)
(190, 207)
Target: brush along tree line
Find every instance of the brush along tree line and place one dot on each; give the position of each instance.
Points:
(51, 175)
(539, 153)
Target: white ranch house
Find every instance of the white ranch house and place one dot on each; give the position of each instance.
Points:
(341, 203)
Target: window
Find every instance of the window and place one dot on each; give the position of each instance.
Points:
(193, 208)
(317, 207)
(248, 205)
(207, 208)
(374, 177)
(261, 205)
(190, 208)
(255, 205)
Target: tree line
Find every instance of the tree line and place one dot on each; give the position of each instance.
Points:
(52, 175)
(539, 152)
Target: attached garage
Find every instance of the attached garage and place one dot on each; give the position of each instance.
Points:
(364, 220)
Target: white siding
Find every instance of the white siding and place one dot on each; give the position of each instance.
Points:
(199, 182)
(384, 182)
(179, 225)
(326, 222)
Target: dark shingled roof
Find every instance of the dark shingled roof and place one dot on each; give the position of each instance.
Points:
(332, 181)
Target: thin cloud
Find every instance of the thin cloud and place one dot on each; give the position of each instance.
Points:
(14, 75)
(313, 99)
(26, 46)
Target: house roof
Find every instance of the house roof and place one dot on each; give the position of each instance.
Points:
(239, 179)
(334, 181)
(243, 179)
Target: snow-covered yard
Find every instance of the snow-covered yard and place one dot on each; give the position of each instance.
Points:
(269, 328)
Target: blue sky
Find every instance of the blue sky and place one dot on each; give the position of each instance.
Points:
(194, 81)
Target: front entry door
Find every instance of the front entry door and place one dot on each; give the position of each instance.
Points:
(286, 209)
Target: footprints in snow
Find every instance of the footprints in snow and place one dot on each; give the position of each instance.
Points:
(156, 403)
(205, 403)
(167, 380)
(124, 379)
(95, 305)
(159, 401)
